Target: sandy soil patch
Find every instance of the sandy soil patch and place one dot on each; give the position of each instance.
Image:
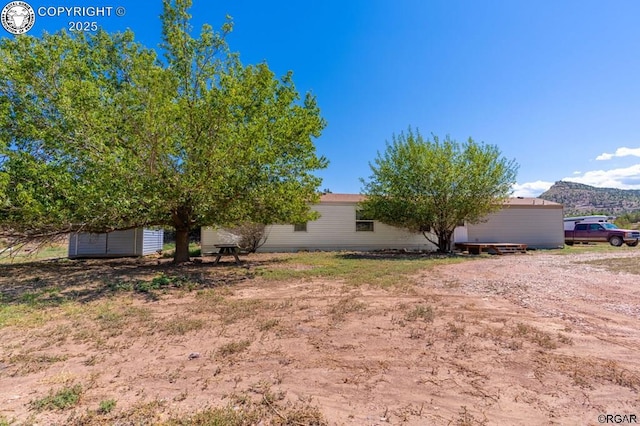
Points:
(527, 339)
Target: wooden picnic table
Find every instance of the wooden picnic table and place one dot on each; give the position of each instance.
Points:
(227, 250)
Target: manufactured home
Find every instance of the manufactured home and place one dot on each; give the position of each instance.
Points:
(534, 222)
(340, 227)
(125, 243)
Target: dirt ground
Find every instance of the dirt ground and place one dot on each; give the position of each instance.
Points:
(529, 339)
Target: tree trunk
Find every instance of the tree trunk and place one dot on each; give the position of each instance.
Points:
(182, 224)
(445, 243)
(181, 254)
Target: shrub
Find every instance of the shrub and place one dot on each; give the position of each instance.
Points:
(251, 236)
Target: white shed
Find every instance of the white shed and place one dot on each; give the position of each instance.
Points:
(129, 242)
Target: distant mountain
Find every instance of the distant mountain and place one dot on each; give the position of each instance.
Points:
(579, 199)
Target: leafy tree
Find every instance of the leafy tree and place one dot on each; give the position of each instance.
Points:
(434, 185)
(99, 133)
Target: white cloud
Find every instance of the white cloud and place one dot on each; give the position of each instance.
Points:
(620, 152)
(604, 156)
(622, 178)
(531, 189)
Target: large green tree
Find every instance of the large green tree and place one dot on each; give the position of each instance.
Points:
(100, 133)
(433, 185)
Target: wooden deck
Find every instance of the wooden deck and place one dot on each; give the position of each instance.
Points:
(496, 248)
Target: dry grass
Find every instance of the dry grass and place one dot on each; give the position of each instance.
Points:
(29, 363)
(339, 310)
(233, 348)
(592, 248)
(421, 312)
(588, 372)
(30, 253)
(627, 265)
(534, 335)
(261, 406)
(384, 270)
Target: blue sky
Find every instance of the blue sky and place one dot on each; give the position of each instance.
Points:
(554, 84)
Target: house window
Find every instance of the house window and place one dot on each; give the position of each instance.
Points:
(363, 223)
(300, 227)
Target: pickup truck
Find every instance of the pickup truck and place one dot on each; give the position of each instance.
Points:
(601, 232)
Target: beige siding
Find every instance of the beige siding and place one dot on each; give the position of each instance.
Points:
(335, 230)
(538, 227)
(534, 222)
(210, 236)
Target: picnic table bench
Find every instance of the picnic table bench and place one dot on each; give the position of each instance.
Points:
(227, 250)
(497, 248)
